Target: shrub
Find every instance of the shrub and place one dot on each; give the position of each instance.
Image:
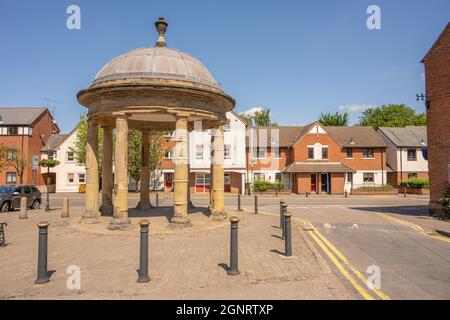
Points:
(386, 187)
(277, 186)
(415, 183)
(445, 201)
(261, 185)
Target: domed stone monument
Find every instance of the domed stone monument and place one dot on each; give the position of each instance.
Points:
(146, 89)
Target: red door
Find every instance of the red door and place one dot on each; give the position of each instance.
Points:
(168, 180)
(227, 182)
(313, 183)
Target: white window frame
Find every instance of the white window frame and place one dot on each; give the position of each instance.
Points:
(11, 173)
(67, 179)
(199, 151)
(367, 158)
(227, 126)
(78, 177)
(321, 153)
(369, 173)
(346, 153)
(67, 157)
(227, 149)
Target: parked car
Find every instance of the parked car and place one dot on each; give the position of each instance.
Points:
(10, 197)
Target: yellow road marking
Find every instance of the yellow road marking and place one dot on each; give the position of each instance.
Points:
(347, 263)
(344, 272)
(412, 225)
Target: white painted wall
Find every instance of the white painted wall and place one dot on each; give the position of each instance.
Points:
(359, 182)
(65, 167)
(420, 165)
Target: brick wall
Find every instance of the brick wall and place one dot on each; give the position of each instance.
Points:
(437, 75)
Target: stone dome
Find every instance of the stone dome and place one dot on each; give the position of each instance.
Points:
(156, 63)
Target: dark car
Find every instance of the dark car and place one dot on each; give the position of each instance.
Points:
(10, 197)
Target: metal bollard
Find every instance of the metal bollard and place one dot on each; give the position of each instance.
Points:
(42, 272)
(143, 257)
(65, 208)
(281, 214)
(345, 194)
(23, 208)
(288, 237)
(239, 202)
(283, 227)
(404, 192)
(307, 193)
(157, 199)
(233, 270)
(2, 234)
(256, 204)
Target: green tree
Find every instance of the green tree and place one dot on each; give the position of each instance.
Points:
(392, 115)
(81, 140)
(3, 156)
(336, 119)
(19, 163)
(135, 155)
(156, 153)
(260, 118)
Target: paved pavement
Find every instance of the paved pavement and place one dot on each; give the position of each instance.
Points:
(340, 243)
(187, 264)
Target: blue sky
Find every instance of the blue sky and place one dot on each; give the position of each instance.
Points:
(298, 58)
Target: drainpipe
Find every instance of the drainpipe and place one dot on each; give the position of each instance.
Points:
(382, 167)
(401, 164)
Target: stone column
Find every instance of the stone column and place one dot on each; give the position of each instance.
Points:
(120, 200)
(180, 181)
(144, 202)
(107, 172)
(218, 195)
(91, 198)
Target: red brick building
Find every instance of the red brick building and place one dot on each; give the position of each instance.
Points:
(25, 130)
(318, 159)
(437, 83)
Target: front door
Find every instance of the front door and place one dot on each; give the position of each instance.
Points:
(227, 182)
(202, 182)
(313, 183)
(168, 180)
(324, 182)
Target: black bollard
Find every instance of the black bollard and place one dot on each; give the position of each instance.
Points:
(345, 193)
(239, 202)
(281, 214)
(2, 234)
(283, 227)
(306, 194)
(256, 204)
(42, 272)
(143, 257)
(233, 270)
(157, 199)
(288, 237)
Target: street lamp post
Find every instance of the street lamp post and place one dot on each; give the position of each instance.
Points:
(47, 200)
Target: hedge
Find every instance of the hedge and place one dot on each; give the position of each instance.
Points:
(415, 183)
(262, 186)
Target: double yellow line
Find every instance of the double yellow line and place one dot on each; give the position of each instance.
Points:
(339, 260)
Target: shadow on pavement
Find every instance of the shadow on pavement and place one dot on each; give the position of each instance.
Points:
(416, 211)
(164, 211)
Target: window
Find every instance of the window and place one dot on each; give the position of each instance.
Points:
(226, 179)
(227, 151)
(33, 189)
(70, 178)
(12, 131)
(412, 155)
(368, 177)
(310, 153)
(259, 177)
(11, 177)
(227, 126)
(81, 178)
(259, 152)
(349, 177)
(278, 177)
(27, 189)
(168, 154)
(349, 153)
(70, 156)
(324, 152)
(276, 152)
(367, 153)
(12, 154)
(199, 151)
(50, 155)
(412, 175)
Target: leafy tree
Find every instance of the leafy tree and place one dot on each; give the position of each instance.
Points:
(156, 152)
(81, 141)
(337, 119)
(260, 118)
(393, 115)
(135, 155)
(19, 163)
(3, 156)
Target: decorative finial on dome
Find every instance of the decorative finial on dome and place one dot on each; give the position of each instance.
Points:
(161, 27)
